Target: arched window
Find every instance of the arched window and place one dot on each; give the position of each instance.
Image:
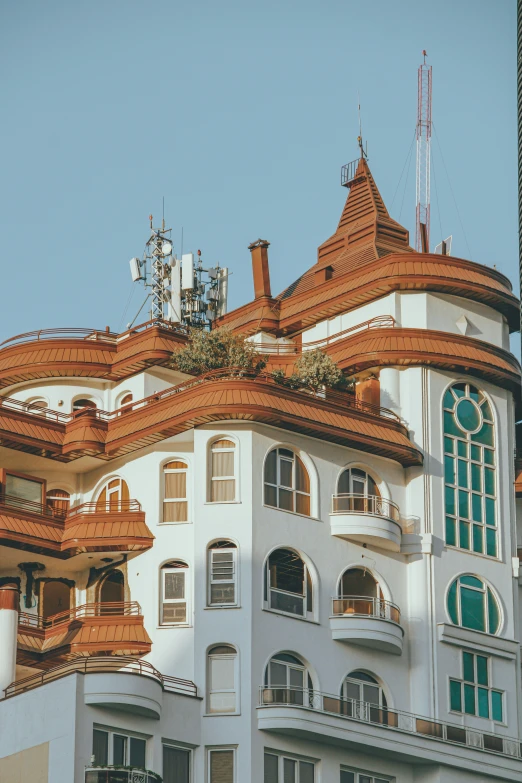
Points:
(471, 604)
(175, 506)
(221, 677)
(56, 597)
(357, 492)
(174, 590)
(287, 680)
(222, 574)
(126, 399)
(287, 483)
(469, 470)
(37, 404)
(223, 471)
(114, 496)
(288, 584)
(112, 593)
(83, 403)
(363, 698)
(58, 502)
(359, 593)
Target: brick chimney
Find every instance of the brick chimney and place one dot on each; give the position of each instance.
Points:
(260, 270)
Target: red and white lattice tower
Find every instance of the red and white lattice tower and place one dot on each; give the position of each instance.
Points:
(422, 226)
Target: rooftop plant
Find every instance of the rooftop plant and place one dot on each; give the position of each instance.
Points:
(215, 350)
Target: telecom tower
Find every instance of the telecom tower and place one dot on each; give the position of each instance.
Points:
(422, 222)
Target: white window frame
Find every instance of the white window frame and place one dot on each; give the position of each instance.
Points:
(164, 471)
(234, 580)
(234, 477)
(185, 569)
(290, 757)
(293, 489)
(185, 749)
(308, 581)
(221, 749)
(122, 733)
(372, 776)
(235, 690)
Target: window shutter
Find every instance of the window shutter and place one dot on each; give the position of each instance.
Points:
(221, 766)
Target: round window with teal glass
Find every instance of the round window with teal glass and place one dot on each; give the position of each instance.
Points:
(471, 604)
(469, 470)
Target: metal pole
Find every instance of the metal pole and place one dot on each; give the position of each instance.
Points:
(423, 135)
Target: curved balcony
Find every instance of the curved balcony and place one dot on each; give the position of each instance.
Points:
(91, 629)
(107, 774)
(366, 519)
(367, 622)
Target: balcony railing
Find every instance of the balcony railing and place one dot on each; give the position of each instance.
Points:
(109, 507)
(113, 608)
(107, 774)
(114, 664)
(379, 322)
(364, 606)
(353, 503)
(92, 507)
(390, 719)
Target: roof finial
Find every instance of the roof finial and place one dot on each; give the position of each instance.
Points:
(359, 137)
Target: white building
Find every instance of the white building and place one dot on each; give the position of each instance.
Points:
(230, 580)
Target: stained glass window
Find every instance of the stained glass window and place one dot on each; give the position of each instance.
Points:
(469, 470)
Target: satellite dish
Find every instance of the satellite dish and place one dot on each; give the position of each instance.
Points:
(135, 269)
(166, 248)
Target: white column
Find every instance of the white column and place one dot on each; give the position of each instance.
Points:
(9, 603)
(389, 378)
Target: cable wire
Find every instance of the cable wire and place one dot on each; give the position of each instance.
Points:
(402, 172)
(452, 193)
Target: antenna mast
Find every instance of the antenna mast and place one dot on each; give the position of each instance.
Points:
(423, 134)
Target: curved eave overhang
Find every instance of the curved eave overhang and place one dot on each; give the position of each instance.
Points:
(411, 347)
(234, 399)
(79, 358)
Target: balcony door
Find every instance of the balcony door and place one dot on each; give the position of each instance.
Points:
(112, 593)
(56, 598)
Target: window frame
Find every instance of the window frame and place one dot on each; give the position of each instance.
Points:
(128, 734)
(281, 756)
(164, 499)
(489, 595)
(184, 749)
(309, 595)
(277, 486)
(474, 684)
(371, 776)
(234, 549)
(222, 749)
(164, 569)
(5, 472)
(119, 492)
(233, 656)
(234, 477)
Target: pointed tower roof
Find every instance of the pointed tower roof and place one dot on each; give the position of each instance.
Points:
(365, 232)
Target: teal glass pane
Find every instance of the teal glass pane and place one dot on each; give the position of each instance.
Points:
(451, 532)
(462, 469)
(468, 666)
(476, 507)
(475, 453)
(496, 706)
(462, 448)
(450, 426)
(449, 470)
(486, 411)
(472, 609)
(483, 702)
(493, 613)
(489, 481)
(452, 603)
(464, 535)
(471, 581)
(491, 541)
(489, 456)
(469, 699)
(459, 389)
(478, 538)
(450, 501)
(490, 511)
(468, 415)
(455, 696)
(485, 435)
(449, 399)
(463, 504)
(474, 393)
(449, 445)
(476, 477)
(482, 670)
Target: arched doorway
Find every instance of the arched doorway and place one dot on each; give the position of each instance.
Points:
(56, 597)
(112, 593)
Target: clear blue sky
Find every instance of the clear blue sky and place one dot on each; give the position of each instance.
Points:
(240, 114)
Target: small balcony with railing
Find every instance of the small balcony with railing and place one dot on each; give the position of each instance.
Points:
(111, 774)
(367, 621)
(366, 519)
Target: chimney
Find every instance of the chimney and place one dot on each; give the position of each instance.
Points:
(260, 268)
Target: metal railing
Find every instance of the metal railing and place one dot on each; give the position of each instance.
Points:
(108, 507)
(111, 608)
(379, 322)
(97, 335)
(391, 719)
(348, 171)
(354, 503)
(12, 502)
(30, 507)
(100, 665)
(109, 774)
(365, 606)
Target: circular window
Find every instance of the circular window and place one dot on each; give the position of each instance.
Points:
(468, 415)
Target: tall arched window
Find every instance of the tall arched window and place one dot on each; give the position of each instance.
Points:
(363, 698)
(222, 574)
(357, 492)
(114, 496)
(287, 680)
(471, 604)
(288, 584)
(58, 502)
(469, 470)
(359, 593)
(175, 506)
(56, 597)
(221, 678)
(223, 471)
(287, 483)
(174, 592)
(112, 593)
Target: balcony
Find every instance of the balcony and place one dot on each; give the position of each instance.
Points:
(91, 629)
(367, 622)
(115, 775)
(358, 725)
(366, 519)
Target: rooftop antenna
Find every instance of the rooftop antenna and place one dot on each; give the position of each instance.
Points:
(360, 136)
(423, 136)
